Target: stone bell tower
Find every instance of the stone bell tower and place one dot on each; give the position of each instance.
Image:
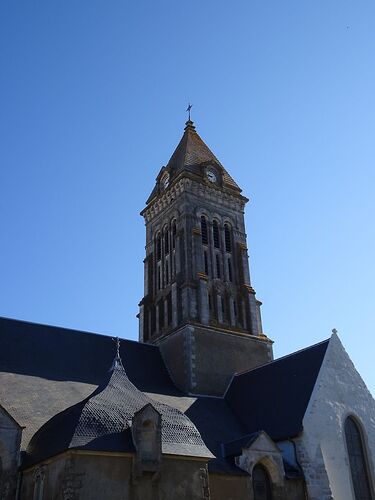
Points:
(199, 305)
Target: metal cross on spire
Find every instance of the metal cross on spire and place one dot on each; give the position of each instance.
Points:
(188, 109)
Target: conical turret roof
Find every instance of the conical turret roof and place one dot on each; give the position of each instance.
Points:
(103, 420)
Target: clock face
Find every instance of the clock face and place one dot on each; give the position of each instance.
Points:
(211, 176)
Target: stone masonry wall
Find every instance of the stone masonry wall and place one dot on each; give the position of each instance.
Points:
(10, 438)
(338, 393)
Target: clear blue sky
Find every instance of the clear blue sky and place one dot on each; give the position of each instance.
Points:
(93, 95)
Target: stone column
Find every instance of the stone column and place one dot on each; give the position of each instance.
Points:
(219, 300)
(245, 264)
(204, 312)
(141, 322)
(254, 310)
(233, 319)
(174, 305)
(165, 312)
(198, 250)
(157, 318)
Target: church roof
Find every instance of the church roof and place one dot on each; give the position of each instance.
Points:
(274, 397)
(191, 154)
(45, 370)
(102, 422)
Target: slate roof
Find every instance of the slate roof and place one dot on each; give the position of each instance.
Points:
(190, 154)
(44, 370)
(274, 397)
(98, 422)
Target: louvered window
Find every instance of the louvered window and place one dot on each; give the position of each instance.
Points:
(159, 278)
(228, 238)
(215, 229)
(167, 272)
(158, 247)
(174, 233)
(166, 242)
(204, 230)
(357, 460)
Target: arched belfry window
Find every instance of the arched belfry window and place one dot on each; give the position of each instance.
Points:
(261, 483)
(216, 234)
(204, 230)
(158, 247)
(166, 241)
(174, 233)
(357, 460)
(228, 238)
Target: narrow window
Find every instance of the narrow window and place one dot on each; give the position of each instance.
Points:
(357, 460)
(153, 321)
(158, 247)
(215, 229)
(169, 302)
(228, 240)
(230, 270)
(174, 233)
(159, 278)
(209, 302)
(167, 272)
(39, 475)
(205, 263)
(204, 230)
(261, 483)
(166, 242)
(161, 314)
(218, 267)
(235, 308)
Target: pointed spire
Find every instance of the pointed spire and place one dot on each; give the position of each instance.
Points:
(117, 363)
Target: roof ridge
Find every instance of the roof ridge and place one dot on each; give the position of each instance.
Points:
(280, 359)
(69, 329)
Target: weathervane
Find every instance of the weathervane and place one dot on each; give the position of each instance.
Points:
(188, 109)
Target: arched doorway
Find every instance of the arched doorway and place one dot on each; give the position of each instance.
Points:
(261, 483)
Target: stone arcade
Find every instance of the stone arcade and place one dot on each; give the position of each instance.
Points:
(198, 408)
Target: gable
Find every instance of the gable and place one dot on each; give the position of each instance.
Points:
(339, 392)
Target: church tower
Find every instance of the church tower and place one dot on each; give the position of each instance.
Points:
(199, 305)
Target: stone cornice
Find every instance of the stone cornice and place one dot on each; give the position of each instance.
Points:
(204, 191)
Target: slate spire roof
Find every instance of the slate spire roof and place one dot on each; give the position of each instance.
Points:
(103, 420)
(192, 154)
